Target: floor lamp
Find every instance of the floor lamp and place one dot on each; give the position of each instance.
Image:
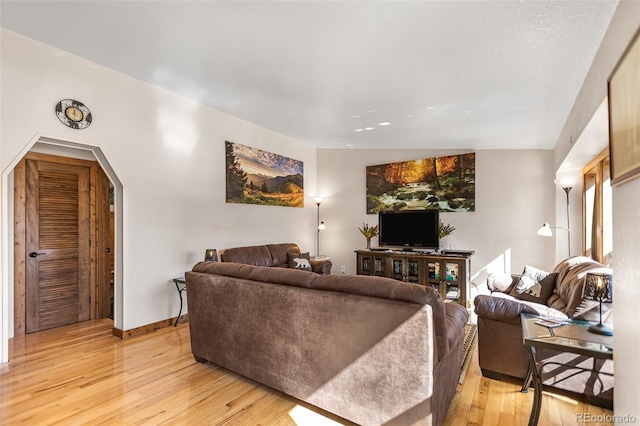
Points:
(566, 190)
(545, 230)
(320, 226)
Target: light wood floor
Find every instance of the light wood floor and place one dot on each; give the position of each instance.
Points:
(81, 374)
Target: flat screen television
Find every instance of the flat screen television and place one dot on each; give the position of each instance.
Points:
(412, 228)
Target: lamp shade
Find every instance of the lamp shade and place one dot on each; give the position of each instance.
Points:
(322, 226)
(545, 230)
(597, 286)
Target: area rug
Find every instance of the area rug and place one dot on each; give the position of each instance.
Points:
(470, 340)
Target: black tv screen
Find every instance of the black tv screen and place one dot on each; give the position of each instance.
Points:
(413, 228)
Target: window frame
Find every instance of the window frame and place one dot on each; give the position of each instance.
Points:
(597, 168)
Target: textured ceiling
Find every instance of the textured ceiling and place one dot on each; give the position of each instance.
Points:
(442, 74)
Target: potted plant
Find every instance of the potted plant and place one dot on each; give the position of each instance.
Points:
(369, 232)
(444, 230)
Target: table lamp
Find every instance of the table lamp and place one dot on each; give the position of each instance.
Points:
(597, 287)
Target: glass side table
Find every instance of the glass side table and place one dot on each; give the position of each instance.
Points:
(181, 285)
(572, 337)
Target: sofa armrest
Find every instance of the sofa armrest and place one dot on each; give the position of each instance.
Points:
(500, 309)
(322, 267)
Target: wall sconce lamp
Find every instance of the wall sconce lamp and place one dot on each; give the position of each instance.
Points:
(320, 226)
(597, 287)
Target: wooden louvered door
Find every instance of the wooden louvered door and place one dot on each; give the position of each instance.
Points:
(58, 261)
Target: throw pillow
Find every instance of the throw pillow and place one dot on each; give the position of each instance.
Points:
(299, 261)
(500, 282)
(534, 285)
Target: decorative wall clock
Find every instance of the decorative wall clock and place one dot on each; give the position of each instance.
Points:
(73, 114)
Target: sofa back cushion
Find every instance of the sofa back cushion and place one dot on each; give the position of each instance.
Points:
(283, 276)
(383, 288)
(265, 255)
(228, 269)
(252, 255)
(279, 253)
(569, 282)
(378, 287)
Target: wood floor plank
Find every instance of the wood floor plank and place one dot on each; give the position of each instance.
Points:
(462, 400)
(82, 374)
(493, 407)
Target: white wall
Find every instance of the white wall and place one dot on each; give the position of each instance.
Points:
(626, 294)
(168, 152)
(514, 197)
(626, 219)
(594, 90)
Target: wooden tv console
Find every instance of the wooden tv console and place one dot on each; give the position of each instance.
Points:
(448, 272)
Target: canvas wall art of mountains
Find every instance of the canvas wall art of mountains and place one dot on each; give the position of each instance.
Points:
(254, 176)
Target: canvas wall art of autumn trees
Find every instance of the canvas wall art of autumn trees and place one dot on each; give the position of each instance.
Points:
(444, 183)
(255, 176)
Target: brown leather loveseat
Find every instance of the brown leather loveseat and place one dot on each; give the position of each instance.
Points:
(271, 255)
(500, 347)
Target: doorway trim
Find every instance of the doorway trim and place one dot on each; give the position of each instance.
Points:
(7, 237)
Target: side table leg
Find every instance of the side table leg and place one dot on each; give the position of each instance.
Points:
(527, 380)
(180, 311)
(537, 388)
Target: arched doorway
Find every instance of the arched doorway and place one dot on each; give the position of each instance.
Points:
(67, 149)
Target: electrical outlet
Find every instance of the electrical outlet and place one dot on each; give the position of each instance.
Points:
(343, 269)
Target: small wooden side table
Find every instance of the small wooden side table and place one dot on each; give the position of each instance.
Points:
(572, 337)
(181, 285)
